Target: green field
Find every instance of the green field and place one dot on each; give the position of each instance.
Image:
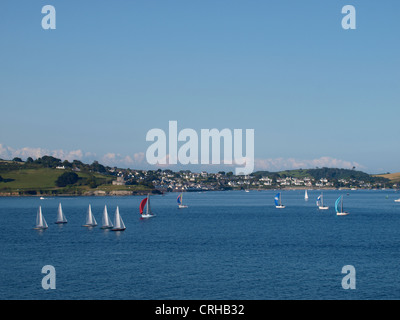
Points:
(41, 181)
(30, 179)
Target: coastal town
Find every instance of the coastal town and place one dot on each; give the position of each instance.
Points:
(49, 175)
(169, 181)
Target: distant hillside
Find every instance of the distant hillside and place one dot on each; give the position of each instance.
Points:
(393, 177)
(42, 177)
(41, 181)
(328, 173)
(51, 176)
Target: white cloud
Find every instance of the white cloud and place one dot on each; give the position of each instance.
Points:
(138, 160)
(110, 159)
(139, 157)
(5, 152)
(116, 159)
(26, 152)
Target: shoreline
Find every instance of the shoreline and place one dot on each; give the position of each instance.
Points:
(102, 193)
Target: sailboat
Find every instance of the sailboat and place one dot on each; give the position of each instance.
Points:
(118, 223)
(90, 220)
(306, 196)
(339, 207)
(60, 216)
(40, 220)
(320, 203)
(397, 200)
(106, 221)
(180, 202)
(148, 213)
(278, 201)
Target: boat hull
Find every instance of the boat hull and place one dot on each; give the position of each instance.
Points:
(182, 207)
(89, 225)
(147, 216)
(398, 200)
(323, 208)
(118, 229)
(280, 207)
(342, 213)
(60, 222)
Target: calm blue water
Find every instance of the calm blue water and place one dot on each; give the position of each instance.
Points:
(226, 245)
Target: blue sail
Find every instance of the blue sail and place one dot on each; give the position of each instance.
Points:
(277, 199)
(179, 199)
(319, 201)
(337, 204)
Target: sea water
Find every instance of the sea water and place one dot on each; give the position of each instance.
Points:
(225, 245)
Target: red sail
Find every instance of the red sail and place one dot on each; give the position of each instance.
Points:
(142, 205)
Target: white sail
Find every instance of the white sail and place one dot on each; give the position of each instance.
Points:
(339, 208)
(278, 201)
(306, 196)
(60, 215)
(89, 216)
(180, 202)
(117, 219)
(90, 220)
(93, 219)
(146, 202)
(118, 222)
(106, 221)
(122, 223)
(40, 220)
(44, 223)
(320, 202)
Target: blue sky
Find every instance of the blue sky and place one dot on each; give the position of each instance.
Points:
(112, 70)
